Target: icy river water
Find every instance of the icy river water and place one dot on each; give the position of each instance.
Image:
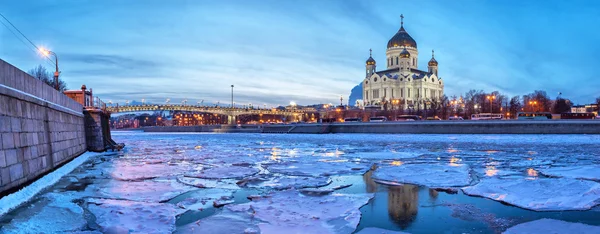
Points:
(335, 183)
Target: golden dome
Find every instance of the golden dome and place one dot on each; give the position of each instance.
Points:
(432, 62)
(370, 61)
(401, 38)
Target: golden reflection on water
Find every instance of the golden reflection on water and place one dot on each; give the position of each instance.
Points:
(369, 182)
(491, 151)
(453, 161)
(491, 171)
(532, 172)
(396, 163)
(452, 150)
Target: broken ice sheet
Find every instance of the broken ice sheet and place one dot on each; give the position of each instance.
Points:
(145, 191)
(203, 198)
(591, 172)
(208, 183)
(318, 168)
(553, 226)
(232, 172)
(129, 171)
(225, 222)
(291, 212)
(135, 217)
(298, 182)
(430, 175)
(540, 194)
(386, 155)
(53, 213)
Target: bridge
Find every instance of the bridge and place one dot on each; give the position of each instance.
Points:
(231, 113)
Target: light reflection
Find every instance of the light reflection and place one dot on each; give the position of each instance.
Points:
(369, 182)
(531, 152)
(451, 150)
(532, 172)
(397, 163)
(453, 161)
(491, 151)
(198, 147)
(403, 204)
(491, 171)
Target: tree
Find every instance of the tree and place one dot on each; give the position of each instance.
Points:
(44, 75)
(561, 105)
(540, 101)
(515, 105)
(598, 101)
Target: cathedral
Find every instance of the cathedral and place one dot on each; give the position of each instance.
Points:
(401, 84)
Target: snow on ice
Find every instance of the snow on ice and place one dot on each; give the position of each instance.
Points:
(591, 172)
(318, 168)
(144, 191)
(298, 182)
(552, 226)
(232, 172)
(135, 217)
(430, 175)
(539, 194)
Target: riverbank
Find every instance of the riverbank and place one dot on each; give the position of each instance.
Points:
(408, 127)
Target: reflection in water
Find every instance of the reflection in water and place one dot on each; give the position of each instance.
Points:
(491, 171)
(403, 204)
(433, 194)
(396, 163)
(453, 161)
(532, 172)
(369, 182)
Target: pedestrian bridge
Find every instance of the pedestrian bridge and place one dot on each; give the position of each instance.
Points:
(232, 113)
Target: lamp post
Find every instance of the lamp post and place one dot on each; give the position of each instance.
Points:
(491, 97)
(47, 53)
(532, 104)
(232, 105)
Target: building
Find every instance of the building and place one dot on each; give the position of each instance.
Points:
(589, 108)
(401, 84)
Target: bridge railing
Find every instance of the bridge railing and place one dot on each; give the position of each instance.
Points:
(98, 103)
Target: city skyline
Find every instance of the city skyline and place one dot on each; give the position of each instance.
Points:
(275, 52)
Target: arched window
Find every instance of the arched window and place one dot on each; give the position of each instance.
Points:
(414, 62)
(396, 60)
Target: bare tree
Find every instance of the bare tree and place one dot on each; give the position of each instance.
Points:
(44, 75)
(515, 105)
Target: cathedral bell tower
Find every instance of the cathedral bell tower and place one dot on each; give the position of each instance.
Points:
(370, 67)
(432, 65)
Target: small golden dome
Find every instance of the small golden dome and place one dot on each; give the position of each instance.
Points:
(404, 53)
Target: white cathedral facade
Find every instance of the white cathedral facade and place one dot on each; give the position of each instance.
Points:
(402, 84)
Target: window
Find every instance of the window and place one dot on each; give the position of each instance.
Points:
(385, 92)
(432, 80)
(401, 79)
(375, 93)
(401, 92)
(366, 95)
(396, 60)
(408, 92)
(375, 80)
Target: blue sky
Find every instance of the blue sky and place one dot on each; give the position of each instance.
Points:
(305, 51)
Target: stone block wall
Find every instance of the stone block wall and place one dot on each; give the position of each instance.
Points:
(40, 128)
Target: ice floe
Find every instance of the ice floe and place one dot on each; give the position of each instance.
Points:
(204, 198)
(135, 217)
(226, 222)
(318, 168)
(540, 194)
(297, 182)
(430, 175)
(386, 155)
(552, 226)
(54, 213)
(591, 172)
(291, 212)
(141, 171)
(145, 191)
(232, 172)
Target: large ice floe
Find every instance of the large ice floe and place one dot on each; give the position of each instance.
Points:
(144, 191)
(297, 182)
(552, 226)
(288, 212)
(232, 172)
(539, 194)
(591, 172)
(430, 175)
(204, 198)
(120, 216)
(123, 170)
(53, 213)
(318, 168)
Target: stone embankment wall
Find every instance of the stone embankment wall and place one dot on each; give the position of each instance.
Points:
(40, 128)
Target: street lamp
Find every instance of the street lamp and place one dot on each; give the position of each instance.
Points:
(532, 104)
(47, 53)
(232, 104)
(491, 97)
(143, 101)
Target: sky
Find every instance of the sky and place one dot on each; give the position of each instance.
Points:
(306, 51)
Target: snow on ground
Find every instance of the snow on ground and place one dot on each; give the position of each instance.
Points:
(232, 172)
(144, 191)
(374, 230)
(291, 212)
(53, 213)
(589, 172)
(133, 217)
(553, 226)
(540, 194)
(318, 168)
(430, 175)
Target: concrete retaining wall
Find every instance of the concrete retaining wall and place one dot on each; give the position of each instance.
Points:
(40, 128)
